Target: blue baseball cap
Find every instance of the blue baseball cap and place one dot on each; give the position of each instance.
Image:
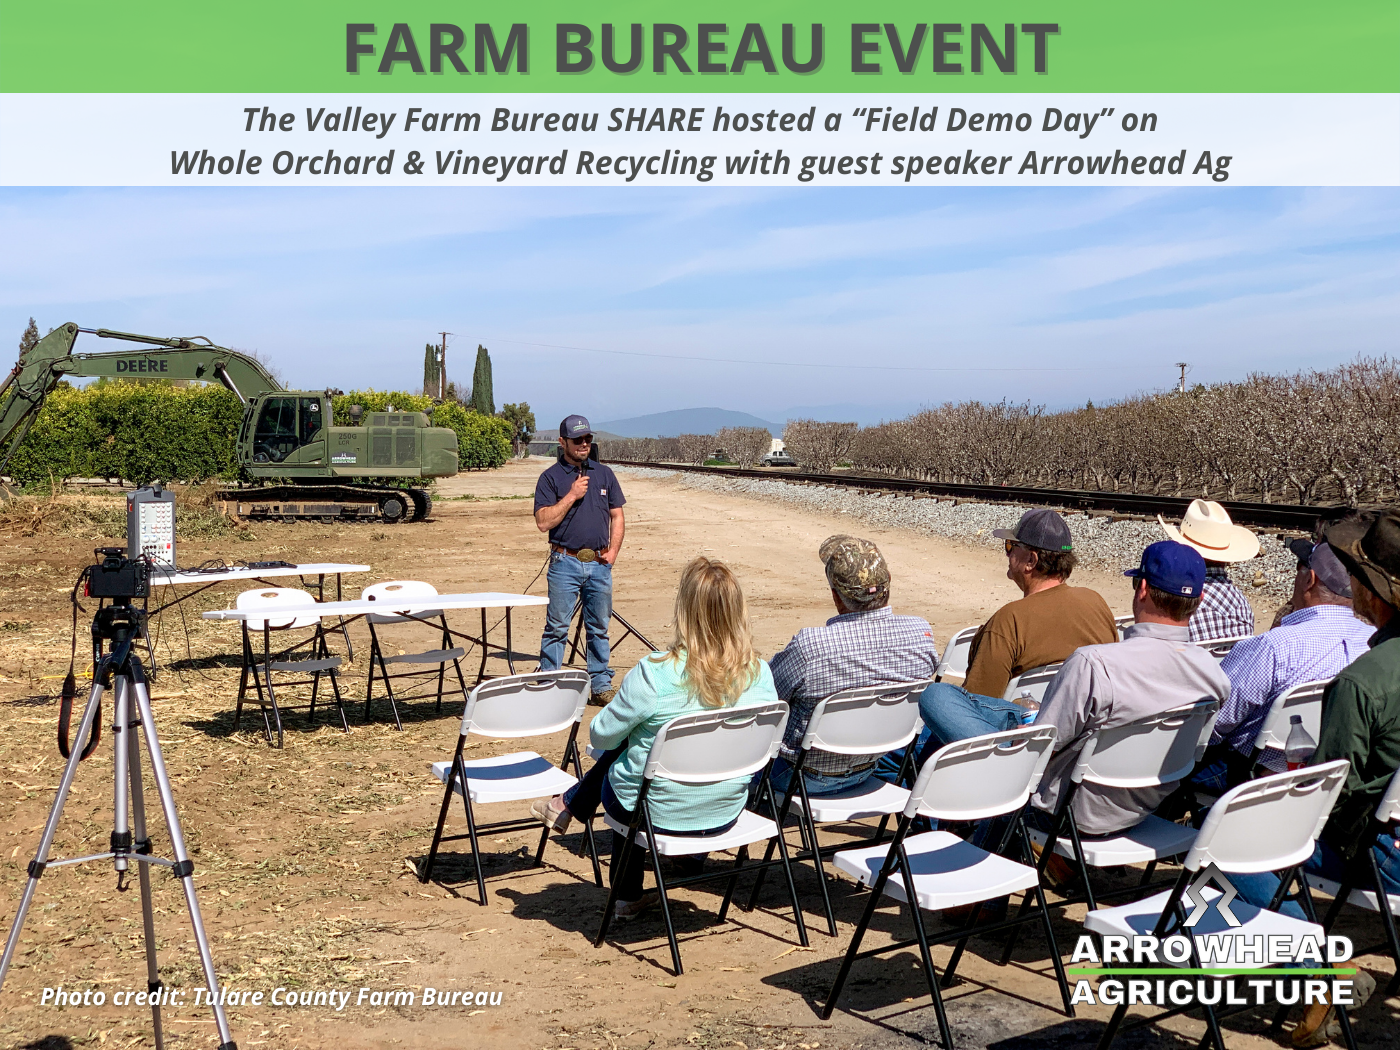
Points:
(1172, 567)
(574, 427)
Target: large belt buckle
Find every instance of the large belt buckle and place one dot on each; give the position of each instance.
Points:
(587, 554)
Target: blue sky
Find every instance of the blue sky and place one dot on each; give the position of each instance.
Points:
(919, 295)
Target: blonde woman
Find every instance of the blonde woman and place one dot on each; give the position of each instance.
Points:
(711, 664)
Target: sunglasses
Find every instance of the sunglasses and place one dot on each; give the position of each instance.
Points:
(1011, 545)
(587, 439)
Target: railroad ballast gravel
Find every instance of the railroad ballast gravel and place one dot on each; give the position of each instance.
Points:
(1099, 541)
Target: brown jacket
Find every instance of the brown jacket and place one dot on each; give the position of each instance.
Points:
(1043, 628)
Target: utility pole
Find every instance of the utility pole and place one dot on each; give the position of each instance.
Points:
(1185, 367)
(442, 370)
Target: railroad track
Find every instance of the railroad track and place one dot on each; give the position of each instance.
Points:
(1269, 516)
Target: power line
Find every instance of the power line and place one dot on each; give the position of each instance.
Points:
(819, 364)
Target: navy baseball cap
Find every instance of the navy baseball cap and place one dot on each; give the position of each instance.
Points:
(574, 427)
(1172, 567)
(1043, 529)
(1321, 559)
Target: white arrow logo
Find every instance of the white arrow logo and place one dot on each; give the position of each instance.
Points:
(1195, 892)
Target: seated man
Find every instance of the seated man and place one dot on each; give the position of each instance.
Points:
(1224, 611)
(1361, 723)
(865, 643)
(1314, 641)
(1044, 627)
(1155, 668)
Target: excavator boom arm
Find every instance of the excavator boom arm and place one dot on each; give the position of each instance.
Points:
(39, 370)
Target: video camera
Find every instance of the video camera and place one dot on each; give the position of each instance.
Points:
(117, 577)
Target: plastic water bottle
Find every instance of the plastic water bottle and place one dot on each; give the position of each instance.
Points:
(1031, 705)
(1300, 746)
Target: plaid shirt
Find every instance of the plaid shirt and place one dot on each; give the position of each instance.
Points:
(854, 649)
(1224, 611)
(1311, 644)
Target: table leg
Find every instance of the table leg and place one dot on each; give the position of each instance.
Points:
(481, 671)
(510, 649)
(349, 649)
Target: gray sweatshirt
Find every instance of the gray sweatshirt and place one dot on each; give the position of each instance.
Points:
(1154, 669)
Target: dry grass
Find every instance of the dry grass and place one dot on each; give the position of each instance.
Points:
(102, 516)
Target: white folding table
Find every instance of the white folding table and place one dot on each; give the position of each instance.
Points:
(201, 581)
(349, 611)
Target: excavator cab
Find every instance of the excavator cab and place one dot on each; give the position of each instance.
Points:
(289, 429)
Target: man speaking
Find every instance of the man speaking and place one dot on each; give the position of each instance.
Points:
(579, 503)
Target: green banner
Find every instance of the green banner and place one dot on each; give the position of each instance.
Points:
(710, 46)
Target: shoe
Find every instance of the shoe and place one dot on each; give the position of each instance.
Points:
(1060, 875)
(1320, 1025)
(603, 698)
(556, 819)
(626, 911)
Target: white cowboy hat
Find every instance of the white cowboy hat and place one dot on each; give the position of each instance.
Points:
(1206, 526)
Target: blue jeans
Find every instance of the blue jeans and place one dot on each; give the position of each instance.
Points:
(569, 580)
(1259, 889)
(952, 713)
(818, 784)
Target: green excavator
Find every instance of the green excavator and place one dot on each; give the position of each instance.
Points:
(303, 465)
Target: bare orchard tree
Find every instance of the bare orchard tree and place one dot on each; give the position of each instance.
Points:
(819, 446)
(745, 445)
(696, 448)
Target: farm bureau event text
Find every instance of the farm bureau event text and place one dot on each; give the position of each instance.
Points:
(576, 48)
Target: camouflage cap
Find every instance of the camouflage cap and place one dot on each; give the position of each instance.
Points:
(855, 568)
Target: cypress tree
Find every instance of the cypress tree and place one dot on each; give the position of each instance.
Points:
(432, 371)
(483, 398)
(30, 338)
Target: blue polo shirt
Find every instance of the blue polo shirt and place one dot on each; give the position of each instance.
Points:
(588, 522)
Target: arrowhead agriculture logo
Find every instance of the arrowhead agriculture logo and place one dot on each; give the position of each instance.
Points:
(1195, 893)
(1175, 969)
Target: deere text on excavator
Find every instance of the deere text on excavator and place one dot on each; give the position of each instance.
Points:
(307, 467)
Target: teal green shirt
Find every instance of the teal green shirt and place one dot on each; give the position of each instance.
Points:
(653, 693)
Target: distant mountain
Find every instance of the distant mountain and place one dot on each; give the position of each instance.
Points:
(685, 421)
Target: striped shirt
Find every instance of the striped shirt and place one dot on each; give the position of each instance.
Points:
(1224, 611)
(851, 650)
(1308, 645)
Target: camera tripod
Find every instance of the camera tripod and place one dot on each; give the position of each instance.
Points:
(121, 671)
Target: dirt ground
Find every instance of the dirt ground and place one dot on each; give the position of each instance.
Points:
(306, 857)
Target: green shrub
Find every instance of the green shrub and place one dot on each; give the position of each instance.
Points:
(142, 433)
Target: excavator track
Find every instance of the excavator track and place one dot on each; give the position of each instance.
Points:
(422, 504)
(327, 503)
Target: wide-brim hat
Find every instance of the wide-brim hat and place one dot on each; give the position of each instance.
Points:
(1368, 544)
(1206, 525)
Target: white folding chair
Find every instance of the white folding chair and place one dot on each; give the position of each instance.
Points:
(957, 655)
(1305, 700)
(315, 661)
(969, 780)
(1220, 647)
(706, 748)
(1155, 751)
(521, 705)
(869, 720)
(1032, 685)
(1361, 885)
(1122, 623)
(1269, 824)
(404, 590)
